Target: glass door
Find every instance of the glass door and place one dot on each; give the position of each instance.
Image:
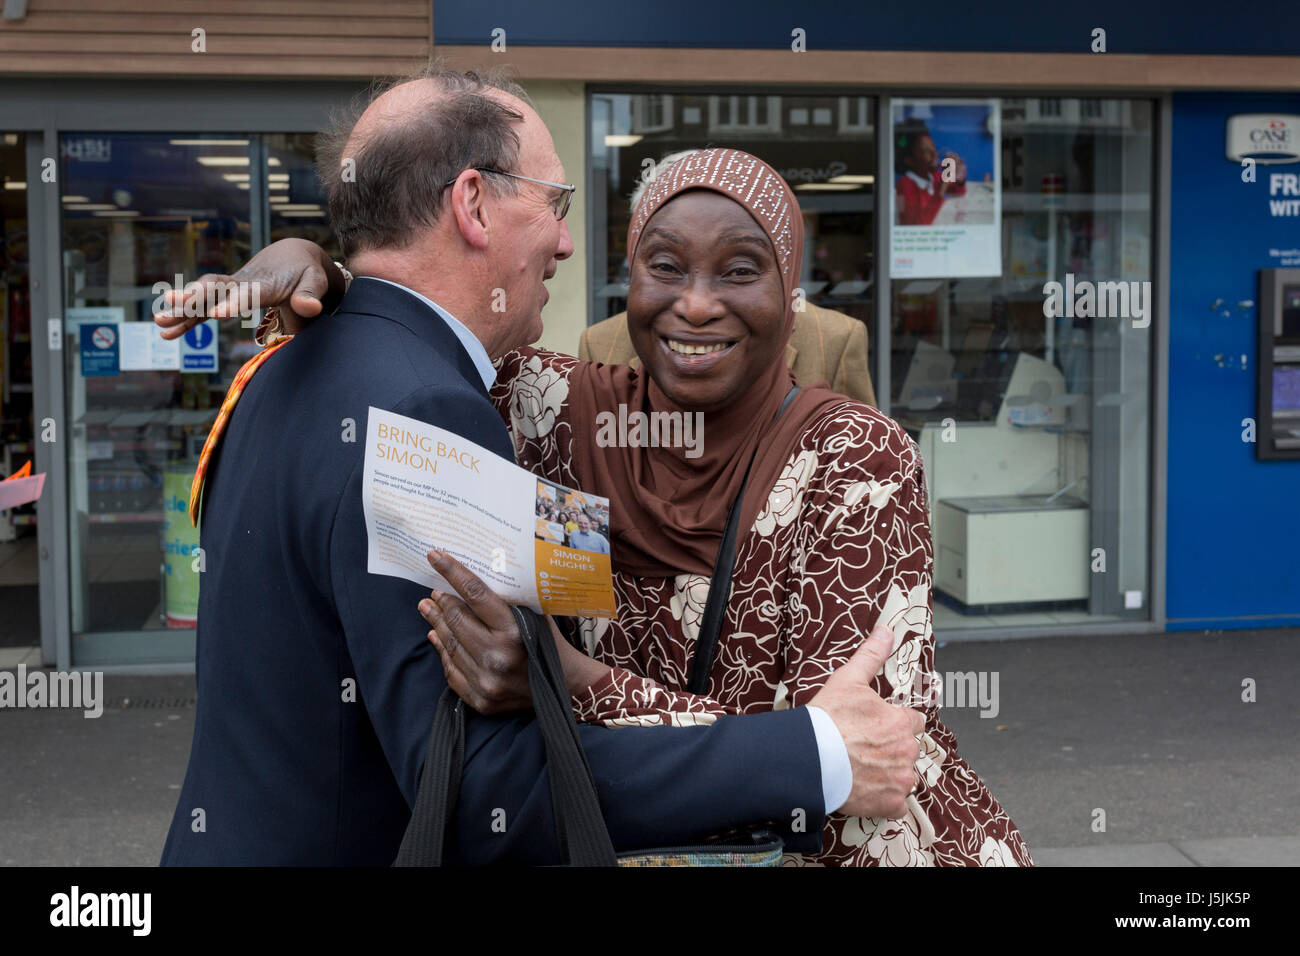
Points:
(19, 573)
(141, 213)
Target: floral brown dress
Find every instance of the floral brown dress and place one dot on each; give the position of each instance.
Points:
(842, 544)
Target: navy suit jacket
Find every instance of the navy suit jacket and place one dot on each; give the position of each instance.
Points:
(284, 767)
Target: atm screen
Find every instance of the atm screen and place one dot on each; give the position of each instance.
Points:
(1290, 313)
(1286, 388)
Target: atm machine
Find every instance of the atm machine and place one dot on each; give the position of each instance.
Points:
(1277, 411)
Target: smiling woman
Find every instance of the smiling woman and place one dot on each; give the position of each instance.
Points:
(835, 535)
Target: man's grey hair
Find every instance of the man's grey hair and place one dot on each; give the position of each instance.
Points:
(651, 174)
(392, 183)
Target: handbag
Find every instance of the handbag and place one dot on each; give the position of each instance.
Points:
(579, 824)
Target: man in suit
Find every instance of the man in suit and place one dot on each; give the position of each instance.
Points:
(316, 684)
(825, 346)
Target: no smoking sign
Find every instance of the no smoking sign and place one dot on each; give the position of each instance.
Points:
(99, 350)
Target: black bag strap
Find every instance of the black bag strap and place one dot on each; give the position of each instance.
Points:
(435, 804)
(579, 824)
(715, 607)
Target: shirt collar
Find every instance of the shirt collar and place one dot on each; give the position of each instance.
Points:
(926, 184)
(477, 353)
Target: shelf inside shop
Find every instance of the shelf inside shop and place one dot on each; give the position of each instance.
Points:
(134, 418)
(142, 446)
(124, 517)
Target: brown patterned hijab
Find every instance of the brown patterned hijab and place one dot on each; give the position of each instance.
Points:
(668, 511)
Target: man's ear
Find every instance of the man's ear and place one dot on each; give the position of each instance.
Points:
(469, 206)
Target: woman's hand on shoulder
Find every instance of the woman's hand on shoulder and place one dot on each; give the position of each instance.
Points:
(295, 275)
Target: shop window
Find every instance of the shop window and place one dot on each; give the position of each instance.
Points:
(740, 115)
(139, 210)
(1030, 402)
(295, 201)
(856, 115)
(651, 114)
(1047, 108)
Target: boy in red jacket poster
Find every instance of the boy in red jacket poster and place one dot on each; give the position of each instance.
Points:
(921, 185)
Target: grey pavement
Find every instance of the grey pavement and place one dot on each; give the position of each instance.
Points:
(1150, 729)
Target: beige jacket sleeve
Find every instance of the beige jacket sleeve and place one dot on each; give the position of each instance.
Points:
(853, 375)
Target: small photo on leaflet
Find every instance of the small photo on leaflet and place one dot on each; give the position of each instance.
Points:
(570, 518)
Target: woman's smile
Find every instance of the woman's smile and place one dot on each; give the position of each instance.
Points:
(693, 355)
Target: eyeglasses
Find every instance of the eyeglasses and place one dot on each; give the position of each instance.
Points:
(559, 205)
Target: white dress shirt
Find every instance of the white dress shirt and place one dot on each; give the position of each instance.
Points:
(837, 772)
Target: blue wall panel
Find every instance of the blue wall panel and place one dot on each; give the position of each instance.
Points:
(1233, 522)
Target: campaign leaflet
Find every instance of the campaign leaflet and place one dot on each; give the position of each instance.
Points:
(533, 542)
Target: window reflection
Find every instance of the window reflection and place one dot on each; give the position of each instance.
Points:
(296, 202)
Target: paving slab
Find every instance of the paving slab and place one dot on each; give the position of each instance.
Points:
(1135, 854)
(1243, 851)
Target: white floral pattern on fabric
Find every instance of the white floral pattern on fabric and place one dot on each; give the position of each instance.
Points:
(930, 763)
(782, 699)
(877, 494)
(907, 615)
(537, 395)
(690, 594)
(842, 543)
(783, 504)
(996, 853)
(590, 630)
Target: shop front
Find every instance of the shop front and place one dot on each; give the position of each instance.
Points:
(1010, 230)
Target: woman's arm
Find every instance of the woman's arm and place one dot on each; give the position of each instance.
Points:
(300, 280)
(871, 564)
(868, 563)
(621, 698)
(294, 275)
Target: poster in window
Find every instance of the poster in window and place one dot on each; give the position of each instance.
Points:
(946, 200)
